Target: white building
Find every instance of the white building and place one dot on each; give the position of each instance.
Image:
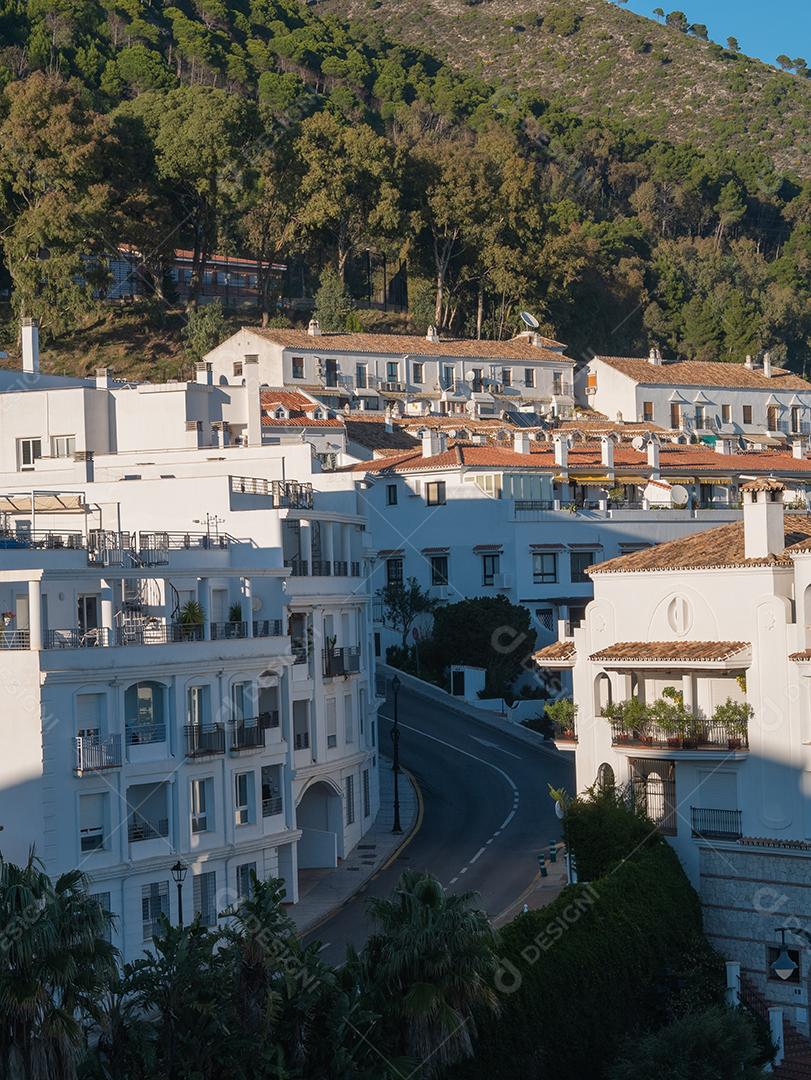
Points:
(527, 519)
(763, 403)
(420, 374)
(724, 615)
(130, 738)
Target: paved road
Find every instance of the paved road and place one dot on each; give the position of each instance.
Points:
(487, 813)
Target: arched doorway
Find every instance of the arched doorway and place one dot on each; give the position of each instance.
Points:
(319, 815)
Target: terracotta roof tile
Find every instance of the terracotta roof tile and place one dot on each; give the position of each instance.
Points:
(558, 650)
(704, 374)
(671, 650)
(297, 406)
(717, 548)
(401, 344)
(804, 655)
(374, 436)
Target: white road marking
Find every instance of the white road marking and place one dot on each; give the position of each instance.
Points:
(475, 857)
(326, 945)
(495, 746)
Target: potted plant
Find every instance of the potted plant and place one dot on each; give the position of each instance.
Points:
(235, 612)
(669, 718)
(562, 713)
(191, 618)
(636, 716)
(734, 717)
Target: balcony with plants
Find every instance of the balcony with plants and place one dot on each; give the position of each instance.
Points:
(563, 715)
(667, 724)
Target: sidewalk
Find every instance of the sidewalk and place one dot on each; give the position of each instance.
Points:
(322, 891)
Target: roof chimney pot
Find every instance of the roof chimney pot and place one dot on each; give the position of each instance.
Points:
(314, 328)
(763, 523)
(30, 343)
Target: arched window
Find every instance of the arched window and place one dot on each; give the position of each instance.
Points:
(602, 693)
(145, 712)
(605, 777)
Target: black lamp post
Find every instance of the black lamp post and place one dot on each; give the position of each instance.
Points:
(783, 967)
(395, 738)
(179, 871)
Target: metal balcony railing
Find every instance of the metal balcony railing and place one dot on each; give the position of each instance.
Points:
(267, 628)
(248, 734)
(341, 661)
(223, 631)
(299, 568)
(354, 569)
(14, 639)
(42, 539)
(95, 752)
(203, 739)
(340, 568)
(322, 568)
(533, 504)
(144, 734)
(272, 805)
(704, 736)
(393, 387)
(299, 654)
(269, 719)
(565, 733)
(285, 494)
(141, 828)
(158, 633)
(709, 824)
(301, 740)
(76, 638)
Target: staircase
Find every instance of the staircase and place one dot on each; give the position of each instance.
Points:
(796, 1064)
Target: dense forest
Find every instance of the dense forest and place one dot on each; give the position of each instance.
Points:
(262, 127)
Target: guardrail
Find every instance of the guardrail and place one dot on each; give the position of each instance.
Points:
(271, 806)
(248, 734)
(203, 739)
(15, 639)
(44, 539)
(285, 494)
(76, 638)
(341, 661)
(704, 736)
(144, 734)
(709, 824)
(141, 829)
(94, 752)
(223, 631)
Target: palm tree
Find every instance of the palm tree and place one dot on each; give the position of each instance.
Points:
(428, 969)
(56, 963)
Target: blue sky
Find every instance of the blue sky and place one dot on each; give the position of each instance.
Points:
(763, 30)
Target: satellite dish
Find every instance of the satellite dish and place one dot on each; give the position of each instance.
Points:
(638, 442)
(529, 320)
(679, 494)
(470, 375)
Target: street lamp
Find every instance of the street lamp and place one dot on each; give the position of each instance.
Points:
(783, 967)
(395, 738)
(179, 871)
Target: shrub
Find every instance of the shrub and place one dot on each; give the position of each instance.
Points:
(562, 713)
(734, 716)
(604, 828)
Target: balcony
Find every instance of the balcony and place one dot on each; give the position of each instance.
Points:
(226, 631)
(340, 568)
(204, 739)
(704, 736)
(299, 654)
(41, 539)
(141, 828)
(248, 734)
(322, 568)
(271, 806)
(565, 735)
(393, 387)
(301, 740)
(708, 824)
(341, 661)
(157, 633)
(145, 734)
(284, 494)
(14, 639)
(533, 504)
(299, 568)
(76, 638)
(269, 719)
(92, 753)
(267, 628)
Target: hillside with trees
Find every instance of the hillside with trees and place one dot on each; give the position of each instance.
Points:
(268, 128)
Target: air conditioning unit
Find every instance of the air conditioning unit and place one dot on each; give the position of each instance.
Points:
(503, 581)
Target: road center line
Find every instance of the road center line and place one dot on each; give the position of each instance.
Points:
(475, 857)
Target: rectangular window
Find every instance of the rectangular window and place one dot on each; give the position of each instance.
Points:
(579, 561)
(726, 414)
(771, 417)
(557, 382)
(796, 414)
(237, 369)
(544, 567)
(377, 644)
(417, 375)
(245, 875)
(197, 705)
(394, 571)
(204, 897)
(154, 903)
(367, 795)
(700, 416)
(349, 789)
(675, 414)
(476, 380)
(529, 377)
(243, 798)
(298, 367)
(647, 412)
(447, 377)
(507, 376)
(201, 792)
(28, 451)
(92, 810)
(490, 567)
(332, 723)
(271, 790)
(392, 371)
(63, 446)
(439, 569)
(747, 414)
(349, 726)
(546, 618)
(391, 494)
(435, 493)
(361, 380)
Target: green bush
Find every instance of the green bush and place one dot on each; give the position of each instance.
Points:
(603, 829)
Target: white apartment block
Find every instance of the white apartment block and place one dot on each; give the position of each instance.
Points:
(718, 616)
(763, 404)
(415, 374)
(133, 737)
(527, 519)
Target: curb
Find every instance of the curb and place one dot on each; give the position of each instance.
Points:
(409, 836)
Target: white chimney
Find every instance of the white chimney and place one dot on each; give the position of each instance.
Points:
(767, 365)
(314, 328)
(253, 404)
(561, 443)
(607, 451)
(521, 442)
(799, 449)
(433, 443)
(103, 378)
(749, 363)
(723, 446)
(30, 341)
(202, 373)
(763, 525)
(537, 340)
(431, 334)
(653, 453)
(654, 357)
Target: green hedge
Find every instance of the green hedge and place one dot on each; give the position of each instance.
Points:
(580, 975)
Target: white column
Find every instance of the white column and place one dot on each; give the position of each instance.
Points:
(247, 593)
(35, 614)
(306, 554)
(204, 600)
(776, 1032)
(327, 531)
(107, 610)
(688, 691)
(733, 987)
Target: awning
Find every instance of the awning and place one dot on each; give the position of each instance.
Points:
(591, 481)
(679, 479)
(638, 479)
(52, 503)
(715, 480)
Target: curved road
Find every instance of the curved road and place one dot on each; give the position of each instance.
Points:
(487, 813)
